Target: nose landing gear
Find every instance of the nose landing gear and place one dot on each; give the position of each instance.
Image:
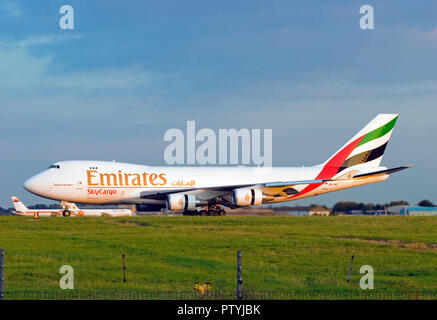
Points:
(66, 213)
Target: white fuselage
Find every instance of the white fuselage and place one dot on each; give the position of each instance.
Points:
(111, 182)
(78, 213)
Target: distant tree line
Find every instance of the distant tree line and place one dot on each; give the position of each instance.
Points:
(347, 206)
(343, 206)
(365, 207)
(7, 211)
(426, 203)
(286, 208)
(43, 206)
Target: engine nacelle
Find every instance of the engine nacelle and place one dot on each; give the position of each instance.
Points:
(181, 202)
(247, 197)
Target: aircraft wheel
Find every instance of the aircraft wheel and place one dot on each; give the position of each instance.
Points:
(213, 213)
(203, 213)
(221, 212)
(66, 213)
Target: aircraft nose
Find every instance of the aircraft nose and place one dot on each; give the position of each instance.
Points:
(32, 184)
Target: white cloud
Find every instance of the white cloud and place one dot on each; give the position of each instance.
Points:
(123, 78)
(427, 38)
(23, 72)
(10, 8)
(38, 40)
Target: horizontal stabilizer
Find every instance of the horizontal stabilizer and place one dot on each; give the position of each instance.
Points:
(380, 172)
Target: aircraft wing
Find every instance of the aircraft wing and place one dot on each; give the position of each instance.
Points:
(294, 183)
(220, 190)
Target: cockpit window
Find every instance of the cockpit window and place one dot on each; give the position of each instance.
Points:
(55, 166)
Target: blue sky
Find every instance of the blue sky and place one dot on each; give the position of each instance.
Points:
(130, 70)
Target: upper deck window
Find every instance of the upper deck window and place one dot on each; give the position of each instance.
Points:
(55, 166)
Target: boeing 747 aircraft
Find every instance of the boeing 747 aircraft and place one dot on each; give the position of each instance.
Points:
(187, 189)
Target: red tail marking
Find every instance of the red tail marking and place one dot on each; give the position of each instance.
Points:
(331, 167)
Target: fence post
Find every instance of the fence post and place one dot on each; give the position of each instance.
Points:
(2, 274)
(239, 279)
(124, 267)
(350, 268)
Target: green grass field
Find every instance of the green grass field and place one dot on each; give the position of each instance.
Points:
(283, 257)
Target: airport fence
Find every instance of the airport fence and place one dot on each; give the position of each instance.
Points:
(213, 295)
(216, 277)
(256, 273)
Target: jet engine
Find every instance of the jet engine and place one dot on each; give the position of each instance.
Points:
(247, 197)
(181, 202)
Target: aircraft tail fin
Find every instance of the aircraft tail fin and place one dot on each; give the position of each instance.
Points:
(18, 205)
(365, 149)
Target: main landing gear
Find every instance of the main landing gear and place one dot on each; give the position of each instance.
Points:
(214, 211)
